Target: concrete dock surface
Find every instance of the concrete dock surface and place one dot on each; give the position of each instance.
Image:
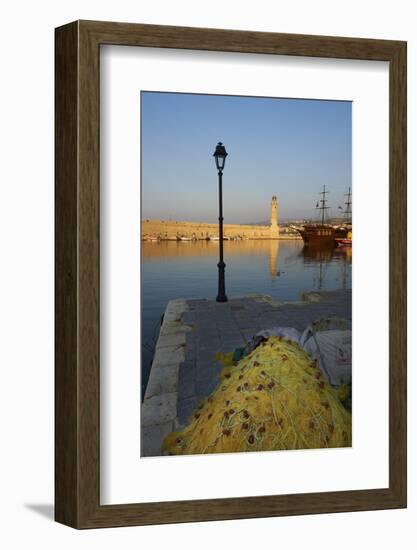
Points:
(184, 369)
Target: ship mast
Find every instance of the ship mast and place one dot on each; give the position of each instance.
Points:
(323, 206)
(348, 212)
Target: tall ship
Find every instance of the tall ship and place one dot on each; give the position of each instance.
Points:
(343, 234)
(321, 233)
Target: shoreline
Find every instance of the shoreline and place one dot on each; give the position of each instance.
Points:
(280, 238)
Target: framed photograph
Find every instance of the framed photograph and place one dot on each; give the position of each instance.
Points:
(230, 274)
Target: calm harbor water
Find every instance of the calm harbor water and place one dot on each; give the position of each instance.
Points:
(282, 269)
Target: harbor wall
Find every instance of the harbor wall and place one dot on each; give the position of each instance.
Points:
(165, 229)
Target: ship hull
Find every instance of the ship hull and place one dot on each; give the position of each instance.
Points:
(318, 235)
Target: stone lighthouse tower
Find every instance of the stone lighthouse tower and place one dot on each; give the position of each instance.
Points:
(274, 228)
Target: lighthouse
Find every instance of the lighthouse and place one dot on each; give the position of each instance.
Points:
(274, 228)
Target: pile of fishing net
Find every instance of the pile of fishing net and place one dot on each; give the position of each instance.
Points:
(275, 398)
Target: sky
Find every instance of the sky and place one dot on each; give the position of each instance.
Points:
(284, 147)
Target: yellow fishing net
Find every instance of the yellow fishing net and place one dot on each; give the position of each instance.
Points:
(275, 398)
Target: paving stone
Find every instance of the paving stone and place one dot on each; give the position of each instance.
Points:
(232, 337)
(248, 333)
(205, 339)
(168, 355)
(159, 409)
(197, 301)
(206, 382)
(173, 316)
(153, 436)
(186, 379)
(207, 354)
(232, 343)
(188, 317)
(245, 322)
(185, 408)
(171, 340)
(224, 323)
(191, 338)
(205, 328)
(209, 350)
(190, 352)
(186, 367)
(267, 320)
(175, 328)
(205, 366)
(162, 380)
(227, 348)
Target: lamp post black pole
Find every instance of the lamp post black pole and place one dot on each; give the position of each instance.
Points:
(220, 155)
(221, 296)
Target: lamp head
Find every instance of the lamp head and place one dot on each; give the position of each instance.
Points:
(220, 155)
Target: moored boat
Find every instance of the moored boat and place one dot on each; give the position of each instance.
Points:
(343, 232)
(343, 242)
(321, 233)
(318, 234)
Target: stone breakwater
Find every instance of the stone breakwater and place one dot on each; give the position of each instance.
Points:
(170, 230)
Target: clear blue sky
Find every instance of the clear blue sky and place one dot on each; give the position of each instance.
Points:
(283, 147)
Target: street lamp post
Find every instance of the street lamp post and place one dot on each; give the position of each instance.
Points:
(220, 158)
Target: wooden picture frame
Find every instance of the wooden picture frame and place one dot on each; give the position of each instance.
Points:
(77, 405)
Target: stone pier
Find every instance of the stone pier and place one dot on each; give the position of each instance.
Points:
(184, 369)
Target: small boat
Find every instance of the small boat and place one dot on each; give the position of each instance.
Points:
(185, 239)
(214, 238)
(343, 242)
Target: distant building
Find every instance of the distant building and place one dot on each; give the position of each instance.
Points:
(172, 230)
(274, 228)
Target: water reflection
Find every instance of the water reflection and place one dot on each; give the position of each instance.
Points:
(195, 253)
(321, 257)
(180, 249)
(273, 259)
